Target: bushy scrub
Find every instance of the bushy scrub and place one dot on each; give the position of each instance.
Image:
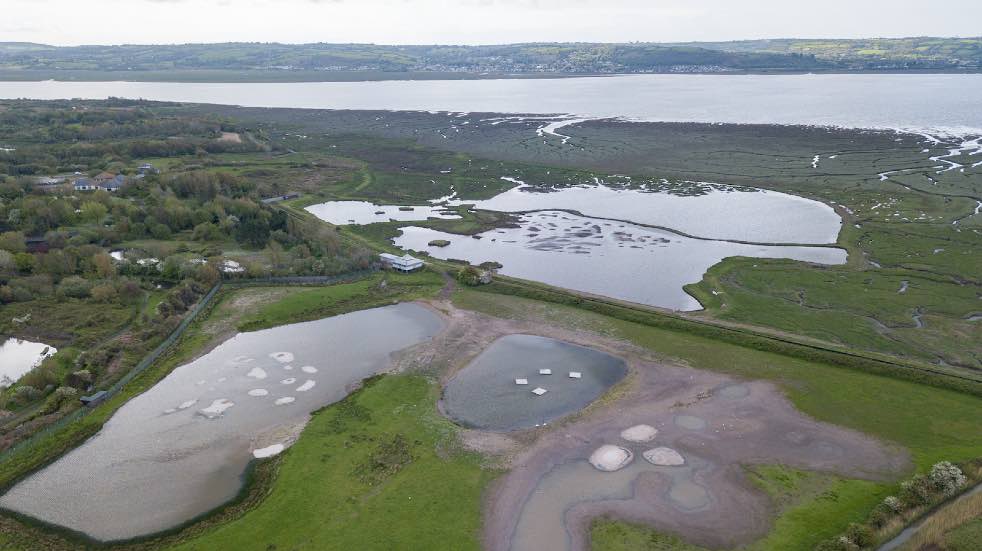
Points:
(75, 287)
(943, 481)
(947, 478)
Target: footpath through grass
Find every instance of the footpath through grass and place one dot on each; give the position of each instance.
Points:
(379, 470)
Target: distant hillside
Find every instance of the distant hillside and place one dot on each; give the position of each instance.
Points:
(573, 58)
(869, 53)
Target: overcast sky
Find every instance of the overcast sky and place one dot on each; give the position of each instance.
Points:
(68, 22)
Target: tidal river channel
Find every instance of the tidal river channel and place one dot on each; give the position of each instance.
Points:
(180, 449)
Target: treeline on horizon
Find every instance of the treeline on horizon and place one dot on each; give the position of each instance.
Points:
(923, 53)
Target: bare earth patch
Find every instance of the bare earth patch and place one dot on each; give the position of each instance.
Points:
(716, 423)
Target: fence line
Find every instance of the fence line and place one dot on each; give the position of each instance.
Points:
(140, 367)
(157, 352)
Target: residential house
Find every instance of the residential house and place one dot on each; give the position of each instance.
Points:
(105, 181)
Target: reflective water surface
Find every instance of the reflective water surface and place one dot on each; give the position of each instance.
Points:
(179, 449)
(613, 259)
(716, 212)
(923, 101)
(362, 212)
(18, 356)
(485, 393)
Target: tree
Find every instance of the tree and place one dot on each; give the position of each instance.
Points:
(6, 261)
(207, 274)
(25, 262)
(104, 266)
(13, 241)
(75, 287)
(93, 212)
(129, 291)
(104, 293)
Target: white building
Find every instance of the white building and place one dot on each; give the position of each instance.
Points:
(403, 263)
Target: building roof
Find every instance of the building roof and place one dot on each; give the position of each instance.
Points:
(405, 260)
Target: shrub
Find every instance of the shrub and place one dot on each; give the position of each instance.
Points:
(7, 263)
(840, 543)
(893, 503)
(104, 293)
(469, 275)
(13, 241)
(79, 379)
(916, 491)
(129, 291)
(860, 535)
(74, 287)
(25, 262)
(58, 398)
(947, 478)
(25, 394)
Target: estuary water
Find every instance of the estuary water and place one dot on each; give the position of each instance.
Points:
(179, 449)
(913, 101)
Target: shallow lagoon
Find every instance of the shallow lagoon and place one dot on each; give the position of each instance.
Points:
(716, 212)
(341, 213)
(619, 260)
(179, 449)
(17, 357)
(485, 395)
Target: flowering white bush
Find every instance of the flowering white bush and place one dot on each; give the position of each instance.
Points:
(947, 478)
(893, 503)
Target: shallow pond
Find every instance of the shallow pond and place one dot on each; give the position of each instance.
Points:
(17, 357)
(542, 524)
(341, 213)
(180, 449)
(619, 260)
(713, 211)
(485, 393)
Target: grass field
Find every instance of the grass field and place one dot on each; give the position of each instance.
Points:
(377, 471)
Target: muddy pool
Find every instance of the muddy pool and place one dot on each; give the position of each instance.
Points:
(497, 391)
(180, 449)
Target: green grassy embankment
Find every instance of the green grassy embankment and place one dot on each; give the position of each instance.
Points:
(379, 470)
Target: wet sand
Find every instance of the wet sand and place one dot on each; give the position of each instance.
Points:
(712, 504)
(550, 494)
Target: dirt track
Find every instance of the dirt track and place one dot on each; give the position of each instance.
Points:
(745, 423)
